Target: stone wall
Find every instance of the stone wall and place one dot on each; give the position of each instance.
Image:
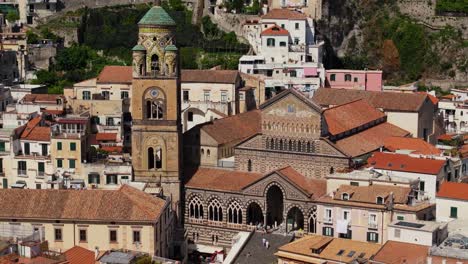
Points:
(76, 4)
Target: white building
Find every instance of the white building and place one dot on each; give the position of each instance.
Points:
(452, 202)
(427, 233)
(455, 114)
(286, 51)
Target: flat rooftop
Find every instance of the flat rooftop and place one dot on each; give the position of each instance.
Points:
(367, 175)
(426, 226)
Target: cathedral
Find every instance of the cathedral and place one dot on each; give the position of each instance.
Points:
(156, 130)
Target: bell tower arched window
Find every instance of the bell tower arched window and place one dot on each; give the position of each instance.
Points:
(155, 158)
(150, 158)
(154, 109)
(155, 63)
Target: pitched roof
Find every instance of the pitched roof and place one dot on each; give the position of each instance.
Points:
(453, 190)
(283, 13)
(416, 145)
(369, 140)
(125, 204)
(232, 128)
(369, 194)
(275, 31)
(79, 255)
(221, 180)
(351, 115)
(433, 99)
(391, 101)
(209, 76)
(394, 252)
(33, 131)
(330, 248)
(297, 94)
(106, 136)
(115, 74)
(41, 98)
(401, 162)
(315, 187)
(157, 16)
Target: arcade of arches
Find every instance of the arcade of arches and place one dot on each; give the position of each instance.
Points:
(272, 200)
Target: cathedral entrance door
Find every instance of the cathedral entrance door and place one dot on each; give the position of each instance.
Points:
(274, 206)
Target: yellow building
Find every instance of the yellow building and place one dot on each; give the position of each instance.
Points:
(156, 130)
(126, 219)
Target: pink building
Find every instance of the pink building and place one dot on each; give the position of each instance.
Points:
(354, 79)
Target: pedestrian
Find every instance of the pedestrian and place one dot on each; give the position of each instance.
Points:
(267, 244)
(264, 242)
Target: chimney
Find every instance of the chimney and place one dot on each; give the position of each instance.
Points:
(429, 260)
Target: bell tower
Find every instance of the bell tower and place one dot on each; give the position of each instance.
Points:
(156, 129)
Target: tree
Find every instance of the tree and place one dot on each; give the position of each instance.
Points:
(32, 37)
(12, 16)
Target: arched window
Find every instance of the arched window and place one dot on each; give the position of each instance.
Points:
(159, 158)
(347, 77)
(308, 146)
(208, 152)
(299, 146)
(154, 63)
(380, 200)
(215, 211)
(332, 170)
(150, 158)
(196, 208)
(267, 143)
(290, 145)
(235, 213)
(345, 196)
(141, 69)
(249, 165)
(272, 144)
(281, 144)
(270, 42)
(202, 152)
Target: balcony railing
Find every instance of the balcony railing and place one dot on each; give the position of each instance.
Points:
(372, 225)
(22, 173)
(41, 174)
(327, 219)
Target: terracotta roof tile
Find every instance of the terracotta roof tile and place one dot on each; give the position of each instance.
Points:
(445, 137)
(369, 194)
(433, 99)
(209, 76)
(453, 190)
(330, 248)
(283, 13)
(400, 162)
(222, 180)
(351, 115)
(416, 145)
(369, 140)
(79, 255)
(388, 101)
(394, 252)
(106, 136)
(125, 204)
(315, 187)
(234, 128)
(275, 31)
(33, 131)
(115, 74)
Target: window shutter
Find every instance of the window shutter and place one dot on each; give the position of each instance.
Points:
(324, 230)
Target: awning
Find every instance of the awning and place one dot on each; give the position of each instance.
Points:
(204, 249)
(310, 71)
(18, 186)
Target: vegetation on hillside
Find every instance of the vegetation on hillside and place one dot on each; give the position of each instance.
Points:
(458, 6)
(403, 48)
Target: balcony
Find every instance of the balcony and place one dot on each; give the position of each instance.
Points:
(41, 174)
(373, 225)
(23, 173)
(328, 220)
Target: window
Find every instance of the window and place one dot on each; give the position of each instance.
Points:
(354, 183)
(346, 215)
(327, 231)
(22, 168)
(94, 178)
(340, 252)
(71, 163)
(123, 95)
(215, 211)
(296, 41)
(235, 213)
(355, 79)
(155, 158)
(190, 116)
(44, 150)
(249, 165)
(380, 200)
(105, 94)
(113, 236)
(136, 236)
(195, 208)
(40, 168)
(38, 186)
(59, 163)
(453, 212)
(154, 109)
(293, 74)
(291, 109)
(345, 196)
(109, 121)
(372, 237)
(83, 235)
(282, 25)
(27, 149)
(59, 145)
(270, 42)
(58, 234)
(400, 217)
(347, 77)
(328, 215)
(332, 77)
(72, 146)
(185, 95)
(2, 146)
(297, 26)
(223, 96)
(86, 95)
(208, 153)
(422, 186)
(397, 232)
(206, 96)
(241, 96)
(282, 44)
(372, 220)
(111, 179)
